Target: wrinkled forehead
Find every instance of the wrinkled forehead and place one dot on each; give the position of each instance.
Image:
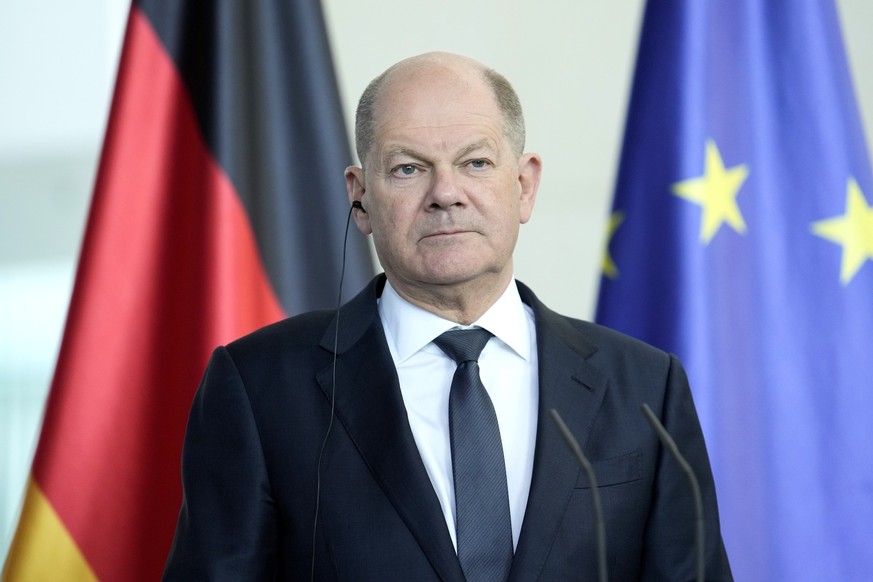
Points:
(434, 95)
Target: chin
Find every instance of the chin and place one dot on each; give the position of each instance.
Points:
(457, 274)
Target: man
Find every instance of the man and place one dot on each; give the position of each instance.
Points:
(336, 445)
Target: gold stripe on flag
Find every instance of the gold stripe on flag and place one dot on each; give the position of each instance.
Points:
(43, 549)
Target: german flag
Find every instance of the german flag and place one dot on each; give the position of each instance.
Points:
(219, 207)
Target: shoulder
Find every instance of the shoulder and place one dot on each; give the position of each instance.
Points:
(291, 330)
(282, 339)
(619, 349)
(614, 351)
(306, 330)
(608, 339)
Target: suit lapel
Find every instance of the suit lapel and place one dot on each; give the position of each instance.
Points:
(370, 407)
(575, 388)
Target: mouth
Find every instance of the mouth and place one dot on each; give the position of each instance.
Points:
(445, 233)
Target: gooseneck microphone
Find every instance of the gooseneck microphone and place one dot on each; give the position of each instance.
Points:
(668, 442)
(599, 526)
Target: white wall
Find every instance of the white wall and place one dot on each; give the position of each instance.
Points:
(570, 60)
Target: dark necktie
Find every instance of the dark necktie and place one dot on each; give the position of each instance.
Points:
(482, 522)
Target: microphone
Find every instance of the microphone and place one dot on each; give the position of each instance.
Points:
(599, 527)
(668, 442)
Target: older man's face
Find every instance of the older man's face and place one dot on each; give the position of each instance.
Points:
(444, 191)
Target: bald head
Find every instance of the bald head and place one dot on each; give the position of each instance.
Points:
(445, 66)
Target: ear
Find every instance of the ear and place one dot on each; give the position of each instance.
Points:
(356, 190)
(530, 168)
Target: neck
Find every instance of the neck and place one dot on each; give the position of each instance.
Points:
(463, 303)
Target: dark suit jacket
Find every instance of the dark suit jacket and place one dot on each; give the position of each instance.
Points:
(250, 461)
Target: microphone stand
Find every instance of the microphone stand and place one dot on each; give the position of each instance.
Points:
(668, 442)
(599, 527)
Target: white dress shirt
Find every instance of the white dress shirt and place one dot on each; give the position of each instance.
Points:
(508, 368)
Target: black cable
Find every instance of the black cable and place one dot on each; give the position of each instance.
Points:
(332, 392)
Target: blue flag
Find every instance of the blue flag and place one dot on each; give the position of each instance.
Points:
(742, 240)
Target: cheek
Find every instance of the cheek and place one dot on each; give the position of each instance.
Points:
(511, 213)
(389, 236)
(396, 217)
(510, 221)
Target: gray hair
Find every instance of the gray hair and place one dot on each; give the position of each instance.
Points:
(507, 101)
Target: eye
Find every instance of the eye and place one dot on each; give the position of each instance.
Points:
(478, 163)
(404, 171)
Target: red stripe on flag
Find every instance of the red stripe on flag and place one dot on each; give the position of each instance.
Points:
(169, 269)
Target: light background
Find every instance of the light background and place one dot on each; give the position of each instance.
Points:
(571, 62)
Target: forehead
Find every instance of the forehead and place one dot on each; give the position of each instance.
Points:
(434, 101)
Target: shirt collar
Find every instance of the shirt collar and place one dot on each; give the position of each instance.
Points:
(409, 328)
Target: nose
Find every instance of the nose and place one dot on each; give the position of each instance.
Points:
(446, 189)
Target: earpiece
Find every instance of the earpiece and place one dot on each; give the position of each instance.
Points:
(357, 204)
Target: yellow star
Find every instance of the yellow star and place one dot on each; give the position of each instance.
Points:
(716, 192)
(853, 230)
(606, 262)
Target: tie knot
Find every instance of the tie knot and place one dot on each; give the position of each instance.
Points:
(464, 345)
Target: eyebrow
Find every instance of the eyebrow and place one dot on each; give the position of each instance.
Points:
(399, 151)
(483, 143)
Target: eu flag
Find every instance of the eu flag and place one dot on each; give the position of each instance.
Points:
(742, 239)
